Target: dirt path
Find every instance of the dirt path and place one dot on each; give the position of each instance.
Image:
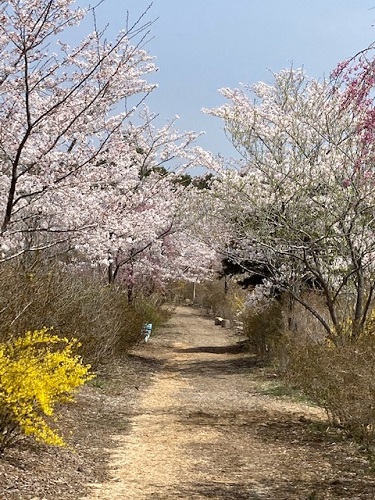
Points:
(204, 430)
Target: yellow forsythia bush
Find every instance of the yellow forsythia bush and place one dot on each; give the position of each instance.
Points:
(37, 371)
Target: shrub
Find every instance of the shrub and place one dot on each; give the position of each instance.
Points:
(78, 303)
(152, 312)
(37, 371)
(341, 380)
(217, 297)
(264, 326)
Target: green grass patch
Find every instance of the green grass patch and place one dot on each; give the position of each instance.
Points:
(279, 390)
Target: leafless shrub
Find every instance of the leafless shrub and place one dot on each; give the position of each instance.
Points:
(81, 305)
(216, 297)
(264, 327)
(341, 380)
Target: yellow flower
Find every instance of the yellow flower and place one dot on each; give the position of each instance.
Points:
(37, 371)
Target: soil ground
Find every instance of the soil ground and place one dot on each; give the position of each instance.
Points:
(205, 428)
(190, 415)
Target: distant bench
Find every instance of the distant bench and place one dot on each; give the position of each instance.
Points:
(226, 323)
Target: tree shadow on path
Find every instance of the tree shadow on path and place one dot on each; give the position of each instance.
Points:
(239, 347)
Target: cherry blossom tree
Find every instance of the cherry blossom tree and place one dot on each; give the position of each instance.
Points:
(355, 77)
(300, 207)
(142, 205)
(76, 173)
(61, 108)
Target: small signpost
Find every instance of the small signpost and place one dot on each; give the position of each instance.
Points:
(146, 331)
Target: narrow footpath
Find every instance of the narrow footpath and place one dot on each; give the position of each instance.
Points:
(205, 428)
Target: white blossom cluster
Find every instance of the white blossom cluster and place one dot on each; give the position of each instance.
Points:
(302, 206)
(75, 172)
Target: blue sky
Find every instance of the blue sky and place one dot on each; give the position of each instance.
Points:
(202, 45)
